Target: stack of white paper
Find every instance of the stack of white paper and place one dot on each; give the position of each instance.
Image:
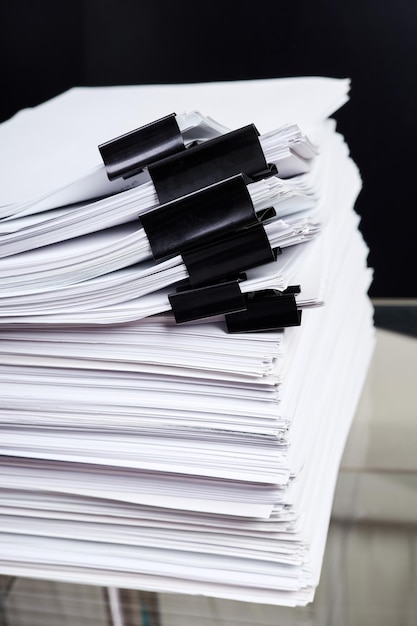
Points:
(138, 452)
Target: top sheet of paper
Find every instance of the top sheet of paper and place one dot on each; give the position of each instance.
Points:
(55, 143)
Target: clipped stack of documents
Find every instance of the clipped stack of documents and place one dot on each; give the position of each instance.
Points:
(185, 331)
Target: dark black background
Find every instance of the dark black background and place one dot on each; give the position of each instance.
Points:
(48, 46)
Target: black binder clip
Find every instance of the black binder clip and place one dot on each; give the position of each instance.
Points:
(193, 304)
(295, 289)
(265, 310)
(128, 154)
(236, 152)
(205, 214)
(228, 256)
